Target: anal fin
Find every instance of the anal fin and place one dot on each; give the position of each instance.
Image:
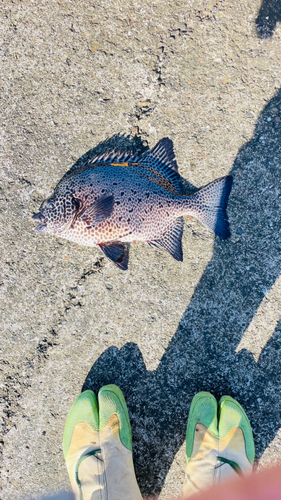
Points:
(171, 240)
(118, 253)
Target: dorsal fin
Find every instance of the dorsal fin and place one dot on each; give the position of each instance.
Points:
(171, 239)
(158, 164)
(163, 151)
(161, 159)
(114, 156)
(107, 157)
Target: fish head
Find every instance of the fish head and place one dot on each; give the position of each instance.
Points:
(56, 214)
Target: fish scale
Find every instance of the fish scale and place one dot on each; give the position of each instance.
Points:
(110, 202)
(135, 203)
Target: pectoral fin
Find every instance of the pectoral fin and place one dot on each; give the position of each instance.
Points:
(118, 253)
(170, 240)
(98, 211)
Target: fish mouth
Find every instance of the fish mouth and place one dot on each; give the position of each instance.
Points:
(42, 227)
(38, 217)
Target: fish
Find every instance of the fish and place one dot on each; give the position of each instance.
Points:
(117, 198)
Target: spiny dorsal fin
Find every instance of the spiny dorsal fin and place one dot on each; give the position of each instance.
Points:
(161, 159)
(114, 156)
(171, 240)
(159, 164)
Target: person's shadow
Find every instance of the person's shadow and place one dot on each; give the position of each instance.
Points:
(201, 355)
(269, 15)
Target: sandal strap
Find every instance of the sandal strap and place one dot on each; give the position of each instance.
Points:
(232, 464)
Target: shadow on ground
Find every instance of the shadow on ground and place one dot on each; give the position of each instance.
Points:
(201, 355)
(269, 15)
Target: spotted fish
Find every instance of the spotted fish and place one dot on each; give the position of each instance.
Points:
(117, 198)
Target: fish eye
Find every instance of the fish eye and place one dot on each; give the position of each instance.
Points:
(50, 205)
(76, 203)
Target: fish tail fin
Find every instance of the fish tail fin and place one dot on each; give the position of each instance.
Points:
(210, 206)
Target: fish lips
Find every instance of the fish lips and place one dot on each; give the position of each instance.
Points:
(42, 227)
(38, 217)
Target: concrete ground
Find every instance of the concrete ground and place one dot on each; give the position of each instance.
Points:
(207, 74)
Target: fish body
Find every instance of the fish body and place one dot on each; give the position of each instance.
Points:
(118, 198)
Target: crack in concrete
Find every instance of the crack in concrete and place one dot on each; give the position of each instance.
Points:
(14, 385)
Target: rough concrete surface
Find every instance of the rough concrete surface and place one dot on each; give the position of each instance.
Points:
(207, 74)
